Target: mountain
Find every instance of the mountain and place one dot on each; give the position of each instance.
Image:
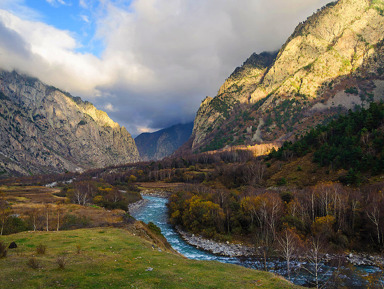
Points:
(46, 130)
(348, 149)
(331, 63)
(162, 143)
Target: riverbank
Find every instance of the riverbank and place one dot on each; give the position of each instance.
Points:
(217, 248)
(134, 207)
(155, 193)
(239, 250)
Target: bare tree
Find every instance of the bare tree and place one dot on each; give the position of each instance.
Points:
(5, 211)
(374, 216)
(253, 172)
(58, 212)
(33, 214)
(83, 193)
(374, 212)
(4, 214)
(47, 216)
(264, 250)
(288, 245)
(315, 257)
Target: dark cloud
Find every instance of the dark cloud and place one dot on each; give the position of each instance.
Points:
(14, 43)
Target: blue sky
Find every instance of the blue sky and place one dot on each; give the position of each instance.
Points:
(74, 16)
(147, 63)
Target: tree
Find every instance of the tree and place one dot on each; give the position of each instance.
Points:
(47, 216)
(59, 210)
(5, 211)
(264, 250)
(253, 172)
(34, 214)
(288, 245)
(83, 192)
(315, 259)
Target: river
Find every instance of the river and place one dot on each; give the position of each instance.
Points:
(155, 210)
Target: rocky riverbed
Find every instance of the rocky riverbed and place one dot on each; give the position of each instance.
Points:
(365, 260)
(239, 250)
(134, 207)
(155, 193)
(217, 248)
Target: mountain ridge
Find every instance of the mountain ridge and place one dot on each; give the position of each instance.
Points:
(45, 130)
(336, 51)
(162, 143)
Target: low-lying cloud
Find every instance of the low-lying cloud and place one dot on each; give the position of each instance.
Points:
(161, 57)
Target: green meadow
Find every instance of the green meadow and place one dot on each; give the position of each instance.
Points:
(115, 258)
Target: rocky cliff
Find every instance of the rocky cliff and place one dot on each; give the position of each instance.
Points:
(45, 130)
(162, 143)
(331, 63)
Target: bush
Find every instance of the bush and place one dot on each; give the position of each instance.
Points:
(40, 249)
(15, 225)
(128, 219)
(352, 90)
(33, 263)
(3, 250)
(282, 182)
(61, 261)
(154, 228)
(71, 222)
(121, 205)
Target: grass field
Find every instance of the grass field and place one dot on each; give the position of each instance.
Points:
(116, 258)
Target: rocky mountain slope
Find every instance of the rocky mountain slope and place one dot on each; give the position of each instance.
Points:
(162, 143)
(331, 63)
(45, 130)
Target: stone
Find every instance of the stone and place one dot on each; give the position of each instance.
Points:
(13, 245)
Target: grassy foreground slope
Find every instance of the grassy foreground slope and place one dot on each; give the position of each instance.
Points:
(115, 258)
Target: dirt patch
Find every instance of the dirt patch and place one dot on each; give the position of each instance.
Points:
(341, 99)
(378, 92)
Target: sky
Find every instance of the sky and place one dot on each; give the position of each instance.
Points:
(147, 63)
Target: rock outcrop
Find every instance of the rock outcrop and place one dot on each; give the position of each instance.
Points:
(337, 53)
(46, 130)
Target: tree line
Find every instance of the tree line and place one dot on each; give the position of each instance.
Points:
(345, 218)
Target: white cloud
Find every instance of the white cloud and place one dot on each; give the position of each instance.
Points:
(143, 129)
(51, 56)
(57, 2)
(109, 107)
(83, 4)
(18, 7)
(161, 57)
(85, 18)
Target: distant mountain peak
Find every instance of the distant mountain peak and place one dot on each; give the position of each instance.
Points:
(162, 143)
